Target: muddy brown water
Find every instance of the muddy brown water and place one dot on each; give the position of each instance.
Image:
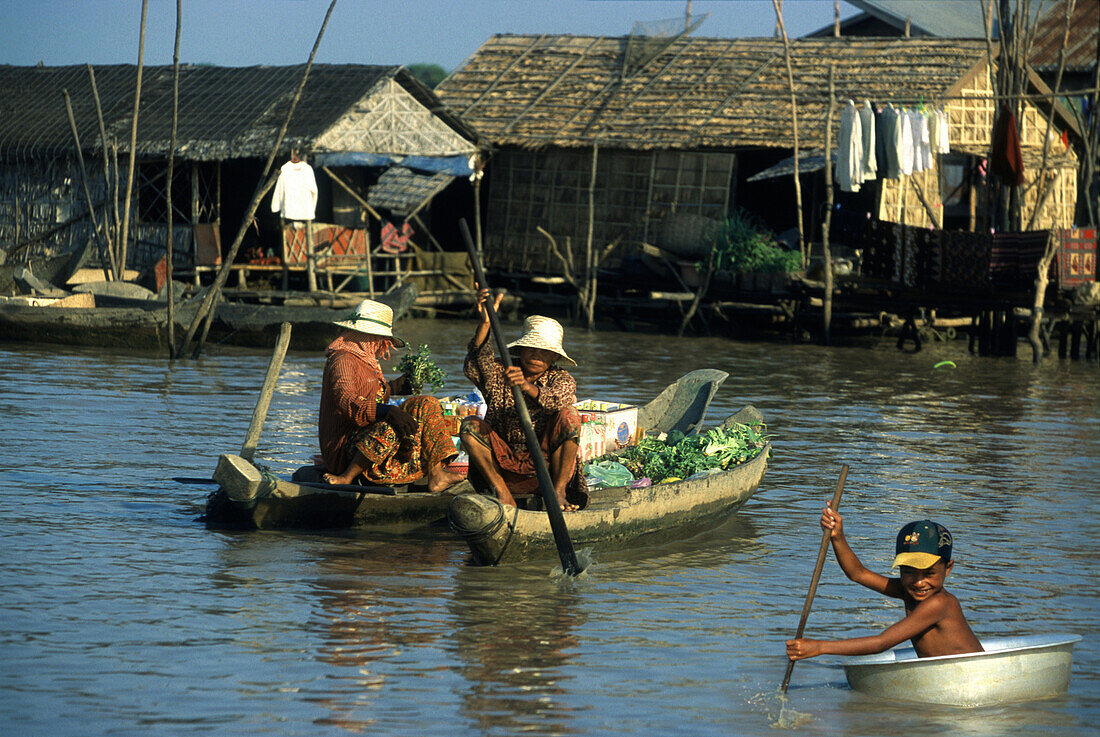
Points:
(123, 615)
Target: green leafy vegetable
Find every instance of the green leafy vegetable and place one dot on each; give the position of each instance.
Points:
(680, 457)
(419, 370)
(746, 245)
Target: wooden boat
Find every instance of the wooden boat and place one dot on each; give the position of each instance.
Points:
(1010, 669)
(252, 498)
(143, 324)
(615, 517)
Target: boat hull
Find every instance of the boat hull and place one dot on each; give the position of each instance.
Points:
(1010, 669)
(614, 518)
(247, 498)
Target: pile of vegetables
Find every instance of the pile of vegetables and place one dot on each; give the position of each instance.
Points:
(674, 457)
(419, 371)
(746, 245)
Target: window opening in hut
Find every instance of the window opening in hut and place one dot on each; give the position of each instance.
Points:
(152, 181)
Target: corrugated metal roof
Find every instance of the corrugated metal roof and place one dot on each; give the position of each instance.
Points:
(698, 93)
(1084, 35)
(224, 112)
(402, 191)
(940, 18)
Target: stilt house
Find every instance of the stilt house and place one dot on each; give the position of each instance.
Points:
(623, 136)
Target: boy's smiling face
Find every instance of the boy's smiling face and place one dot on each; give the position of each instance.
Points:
(921, 583)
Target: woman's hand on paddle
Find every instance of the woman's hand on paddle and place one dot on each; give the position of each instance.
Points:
(832, 523)
(803, 648)
(483, 296)
(515, 377)
(401, 422)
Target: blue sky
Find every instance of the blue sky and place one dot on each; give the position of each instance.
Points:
(275, 32)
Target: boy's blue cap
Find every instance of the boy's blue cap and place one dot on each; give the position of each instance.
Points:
(921, 544)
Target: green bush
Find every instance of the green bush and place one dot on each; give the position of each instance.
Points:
(747, 246)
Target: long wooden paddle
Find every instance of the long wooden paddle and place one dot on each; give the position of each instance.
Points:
(833, 505)
(259, 414)
(546, 484)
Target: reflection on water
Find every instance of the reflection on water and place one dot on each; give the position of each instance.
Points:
(113, 591)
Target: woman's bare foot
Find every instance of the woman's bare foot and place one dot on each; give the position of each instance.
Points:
(567, 506)
(440, 479)
(331, 478)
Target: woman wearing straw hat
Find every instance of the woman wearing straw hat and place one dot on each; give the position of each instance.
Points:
(497, 444)
(363, 438)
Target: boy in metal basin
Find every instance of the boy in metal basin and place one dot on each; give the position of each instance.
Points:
(934, 620)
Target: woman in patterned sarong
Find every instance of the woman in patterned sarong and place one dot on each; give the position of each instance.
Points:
(363, 439)
(497, 444)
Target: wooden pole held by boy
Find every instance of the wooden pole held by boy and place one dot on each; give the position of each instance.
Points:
(833, 505)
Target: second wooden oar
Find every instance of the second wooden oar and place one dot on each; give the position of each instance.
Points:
(833, 505)
(534, 447)
(259, 414)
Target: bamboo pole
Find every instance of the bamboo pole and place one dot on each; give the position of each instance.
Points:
(110, 228)
(588, 296)
(133, 147)
(83, 172)
(262, 188)
(794, 127)
(827, 300)
(170, 246)
(1041, 199)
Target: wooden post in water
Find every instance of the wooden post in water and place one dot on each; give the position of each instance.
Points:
(169, 248)
(827, 300)
(121, 276)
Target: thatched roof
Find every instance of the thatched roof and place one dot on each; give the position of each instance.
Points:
(569, 91)
(224, 112)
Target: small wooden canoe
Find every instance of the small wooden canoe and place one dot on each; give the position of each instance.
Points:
(249, 497)
(1010, 669)
(615, 517)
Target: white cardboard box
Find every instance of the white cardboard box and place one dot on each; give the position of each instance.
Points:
(606, 426)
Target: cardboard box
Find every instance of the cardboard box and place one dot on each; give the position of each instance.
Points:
(606, 426)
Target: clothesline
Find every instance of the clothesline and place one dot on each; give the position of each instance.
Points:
(938, 99)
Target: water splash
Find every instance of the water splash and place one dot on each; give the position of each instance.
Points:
(585, 559)
(780, 713)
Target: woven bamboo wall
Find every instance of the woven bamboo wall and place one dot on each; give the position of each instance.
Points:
(634, 192)
(970, 121)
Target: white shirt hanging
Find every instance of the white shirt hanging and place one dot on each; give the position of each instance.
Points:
(868, 164)
(849, 152)
(295, 194)
(903, 142)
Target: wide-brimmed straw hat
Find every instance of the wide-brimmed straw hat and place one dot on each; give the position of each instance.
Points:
(372, 318)
(542, 332)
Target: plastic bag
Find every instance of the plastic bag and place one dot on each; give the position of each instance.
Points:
(606, 474)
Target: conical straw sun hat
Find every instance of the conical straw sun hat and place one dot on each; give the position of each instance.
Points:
(372, 318)
(542, 332)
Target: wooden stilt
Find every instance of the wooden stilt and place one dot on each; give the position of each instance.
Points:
(1063, 339)
(1076, 329)
(1091, 329)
